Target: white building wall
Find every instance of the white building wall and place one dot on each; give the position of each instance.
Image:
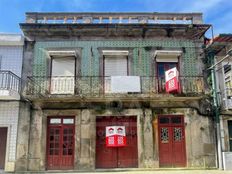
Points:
(11, 58)
(9, 112)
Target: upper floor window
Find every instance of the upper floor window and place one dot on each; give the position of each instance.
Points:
(228, 79)
(115, 63)
(165, 60)
(230, 133)
(0, 62)
(62, 73)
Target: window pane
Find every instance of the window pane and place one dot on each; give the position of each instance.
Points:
(227, 68)
(55, 121)
(164, 120)
(176, 120)
(68, 121)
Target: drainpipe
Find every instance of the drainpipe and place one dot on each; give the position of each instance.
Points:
(211, 55)
(216, 105)
(216, 112)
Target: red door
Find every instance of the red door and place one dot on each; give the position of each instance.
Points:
(116, 157)
(60, 143)
(3, 140)
(172, 151)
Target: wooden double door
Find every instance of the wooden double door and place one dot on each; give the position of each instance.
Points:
(172, 150)
(116, 157)
(60, 143)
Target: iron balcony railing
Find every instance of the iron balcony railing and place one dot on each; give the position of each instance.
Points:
(225, 98)
(99, 86)
(9, 81)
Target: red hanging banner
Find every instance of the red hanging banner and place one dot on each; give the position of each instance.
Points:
(115, 136)
(172, 80)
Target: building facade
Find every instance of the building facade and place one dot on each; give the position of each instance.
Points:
(87, 74)
(220, 49)
(11, 53)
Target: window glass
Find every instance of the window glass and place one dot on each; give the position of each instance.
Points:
(176, 120)
(55, 121)
(0, 62)
(68, 121)
(228, 80)
(162, 67)
(227, 68)
(230, 133)
(164, 120)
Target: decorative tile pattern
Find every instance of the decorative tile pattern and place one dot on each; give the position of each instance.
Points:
(142, 56)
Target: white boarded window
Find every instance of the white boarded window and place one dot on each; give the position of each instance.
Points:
(63, 75)
(63, 66)
(116, 66)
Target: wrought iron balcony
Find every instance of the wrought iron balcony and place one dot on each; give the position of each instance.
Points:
(94, 86)
(225, 98)
(9, 85)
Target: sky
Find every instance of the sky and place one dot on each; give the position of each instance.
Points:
(215, 12)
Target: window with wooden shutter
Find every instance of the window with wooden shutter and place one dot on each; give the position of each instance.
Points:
(63, 75)
(114, 66)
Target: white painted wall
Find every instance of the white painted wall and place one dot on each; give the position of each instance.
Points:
(11, 58)
(9, 112)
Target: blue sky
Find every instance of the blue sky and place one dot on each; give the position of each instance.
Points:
(216, 12)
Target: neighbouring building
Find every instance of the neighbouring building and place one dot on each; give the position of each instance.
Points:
(11, 53)
(97, 80)
(220, 49)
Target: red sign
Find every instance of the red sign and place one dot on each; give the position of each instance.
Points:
(115, 136)
(171, 80)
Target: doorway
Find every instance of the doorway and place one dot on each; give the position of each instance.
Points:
(60, 143)
(3, 138)
(116, 157)
(172, 150)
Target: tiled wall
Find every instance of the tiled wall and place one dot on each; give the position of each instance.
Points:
(142, 58)
(11, 58)
(9, 117)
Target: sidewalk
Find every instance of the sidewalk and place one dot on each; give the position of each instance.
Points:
(158, 171)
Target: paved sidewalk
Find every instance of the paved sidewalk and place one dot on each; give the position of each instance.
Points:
(158, 171)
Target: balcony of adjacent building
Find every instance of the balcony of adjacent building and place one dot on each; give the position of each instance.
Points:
(9, 86)
(225, 99)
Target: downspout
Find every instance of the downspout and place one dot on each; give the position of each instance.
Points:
(216, 113)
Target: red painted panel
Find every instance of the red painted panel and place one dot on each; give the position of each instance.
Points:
(3, 138)
(165, 146)
(116, 157)
(172, 151)
(178, 146)
(128, 156)
(106, 157)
